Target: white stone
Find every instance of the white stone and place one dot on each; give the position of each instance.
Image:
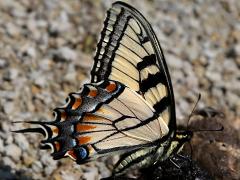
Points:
(22, 141)
(67, 54)
(13, 151)
(1, 145)
(3, 63)
(9, 107)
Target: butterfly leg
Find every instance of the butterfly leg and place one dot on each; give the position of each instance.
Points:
(174, 163)
(182, 156)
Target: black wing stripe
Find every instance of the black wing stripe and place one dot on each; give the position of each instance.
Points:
(147, 61)
(161, 105)
(152, 81)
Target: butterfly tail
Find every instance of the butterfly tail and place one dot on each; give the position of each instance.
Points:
(57, 133)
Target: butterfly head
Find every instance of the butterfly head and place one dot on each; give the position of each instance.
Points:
(180, 138)
(183, 136)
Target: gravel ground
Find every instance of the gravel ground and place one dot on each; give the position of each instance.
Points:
(46, 50)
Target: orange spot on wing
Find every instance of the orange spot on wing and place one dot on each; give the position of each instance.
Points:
(77, 103)
(90, 117)
(111, 87)
(92, 93)
(83, 139)
(83, 127)
(57, 145)
(55, 130)
(63, 115)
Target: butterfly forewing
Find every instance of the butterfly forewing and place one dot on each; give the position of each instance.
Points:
(128, 51)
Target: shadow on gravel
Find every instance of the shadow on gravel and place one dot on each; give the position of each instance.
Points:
(7, 173)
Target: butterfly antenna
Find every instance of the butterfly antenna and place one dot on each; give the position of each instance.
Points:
(219, 129)
(194, 108)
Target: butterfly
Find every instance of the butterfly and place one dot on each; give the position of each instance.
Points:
(128, 108)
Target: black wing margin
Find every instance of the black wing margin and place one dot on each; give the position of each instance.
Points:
(129, 52)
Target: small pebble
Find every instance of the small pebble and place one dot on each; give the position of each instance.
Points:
(65, 54)
(13, 151)
(1, 146)
(22, 141)
(3, 63)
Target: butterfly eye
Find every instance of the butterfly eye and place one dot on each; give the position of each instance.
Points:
(81, 153)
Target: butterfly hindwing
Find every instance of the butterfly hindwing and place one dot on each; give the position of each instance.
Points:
(129, 52)
(124, 123)
(103, 118)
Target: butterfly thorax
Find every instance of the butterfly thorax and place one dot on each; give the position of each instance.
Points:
(176, 143)
(172, 145)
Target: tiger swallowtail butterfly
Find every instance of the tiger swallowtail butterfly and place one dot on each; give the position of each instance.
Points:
(127, 109)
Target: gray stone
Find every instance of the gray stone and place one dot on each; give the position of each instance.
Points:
(37, 166)
(9, 107)
(13, 151)
(91, 174)
(5, 127)
(1, 146)
(12, 29)
(213, 76)
(40, 81)
(7, 161)
(3, 63)
(45, 64)
(174, 61)
(21, 141)
(11, 74)
(65, 54)
(8, 94)
(31, 52)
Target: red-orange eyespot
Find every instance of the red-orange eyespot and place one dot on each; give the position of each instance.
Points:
(57, 146)
(71, 154)
(55, 130)
(111, 87)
